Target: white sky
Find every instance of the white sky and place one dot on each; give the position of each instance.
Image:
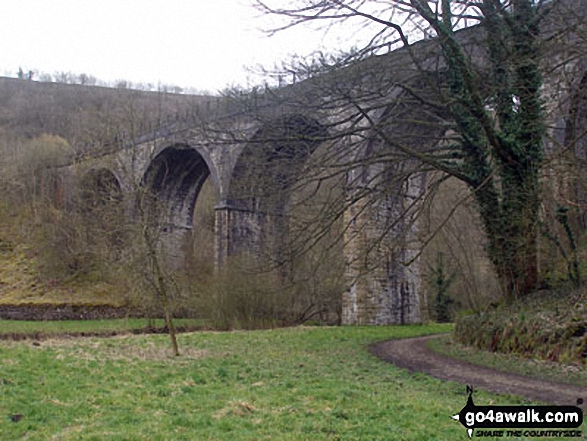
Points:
(204, 44)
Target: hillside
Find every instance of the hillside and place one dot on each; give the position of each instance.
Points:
(24, 281)
(83, 114)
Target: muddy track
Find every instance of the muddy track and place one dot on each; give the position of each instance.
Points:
(412, 354)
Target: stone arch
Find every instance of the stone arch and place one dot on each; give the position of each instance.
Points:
(253, 216)
(271, 161)
(204, 152)
(175, 177)
(171, 186)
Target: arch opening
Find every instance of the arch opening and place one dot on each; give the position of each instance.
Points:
(173, 180)
(173, 185)
(257, 216)
(279, 191)
(271, 163)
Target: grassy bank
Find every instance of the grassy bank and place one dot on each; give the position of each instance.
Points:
(550, 325)
(516, 364)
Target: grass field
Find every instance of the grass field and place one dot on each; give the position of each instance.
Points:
(286, 384)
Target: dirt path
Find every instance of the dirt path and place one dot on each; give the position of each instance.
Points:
(412, 354)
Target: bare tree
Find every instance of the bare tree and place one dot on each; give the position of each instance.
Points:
(471, 100)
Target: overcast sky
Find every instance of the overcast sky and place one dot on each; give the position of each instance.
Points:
(204, 44)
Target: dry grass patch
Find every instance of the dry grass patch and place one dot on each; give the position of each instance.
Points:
(124, 347)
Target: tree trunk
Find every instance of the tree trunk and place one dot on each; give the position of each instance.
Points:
(171, 330)
(511, 226)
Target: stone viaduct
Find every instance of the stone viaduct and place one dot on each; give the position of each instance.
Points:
(254, 147)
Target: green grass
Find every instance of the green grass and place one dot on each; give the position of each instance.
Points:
(542, 369)
(285, 384)
(48, 328)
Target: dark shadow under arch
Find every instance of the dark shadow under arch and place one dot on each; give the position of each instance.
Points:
(272, 161)
(174, 178)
